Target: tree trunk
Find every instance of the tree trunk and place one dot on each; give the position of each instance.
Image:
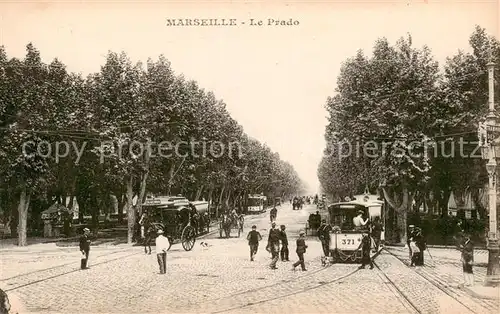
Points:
(228, 197)
(443, 202)
(170, 179)
(69, 218)
(198, 193)
(209, 198)
(121, 204)
(130, 210)
(401, 211)
(220, 200)
(24, 203)
(95, 211)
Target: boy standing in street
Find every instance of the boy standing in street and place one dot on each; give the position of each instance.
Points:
(85, 248)
(162, 245)
(253, 238)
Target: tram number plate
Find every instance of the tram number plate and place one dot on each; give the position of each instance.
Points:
(348, 241)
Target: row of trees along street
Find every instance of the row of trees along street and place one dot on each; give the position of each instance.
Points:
(400, 95)
(124, 102)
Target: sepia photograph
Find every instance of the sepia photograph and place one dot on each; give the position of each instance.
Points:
(249, 156)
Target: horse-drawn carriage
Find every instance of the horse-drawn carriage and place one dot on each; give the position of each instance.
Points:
(313, 223)
(297, 203)
(180, 219)
(229, 222)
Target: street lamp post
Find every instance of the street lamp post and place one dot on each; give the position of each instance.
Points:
(493, 271)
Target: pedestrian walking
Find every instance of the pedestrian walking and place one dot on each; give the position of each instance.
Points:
(273, 243)
(301, 250)
(273, 214)
(377, 229)
(253, 238)
(365, 247)
(85, 248)
(162, 245)
(467, 248)
(284, 244)
(324, 236)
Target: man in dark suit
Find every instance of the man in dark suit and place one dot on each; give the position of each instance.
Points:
(301, 249)
(365, 247)
(274, 245)
(284, 245)
(85, 247)
(324, 236)
(253, 238)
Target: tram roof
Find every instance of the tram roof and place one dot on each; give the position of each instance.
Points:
(358, 203)
(166, 201)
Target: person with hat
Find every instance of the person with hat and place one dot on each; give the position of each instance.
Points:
(422, 246)
(467, 249)
(365, 247)
(358, 221)
(85, 248)
(284, 244)
(273, 243)
(301, 250)
(253, 238)
(162, 246)
(273, 214)
(324, 236)
(376, 232)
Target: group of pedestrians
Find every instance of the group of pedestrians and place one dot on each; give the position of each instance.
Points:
(277, 245)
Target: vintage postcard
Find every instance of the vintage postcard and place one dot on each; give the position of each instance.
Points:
(249, 156)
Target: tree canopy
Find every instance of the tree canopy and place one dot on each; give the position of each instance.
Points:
(404, 119)
(128, 130)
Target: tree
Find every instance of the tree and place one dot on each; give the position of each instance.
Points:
(385, 103)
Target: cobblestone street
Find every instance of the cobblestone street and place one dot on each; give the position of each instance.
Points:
(220, 278)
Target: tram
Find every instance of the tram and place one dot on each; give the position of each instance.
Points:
(256, 204)
(345, 239)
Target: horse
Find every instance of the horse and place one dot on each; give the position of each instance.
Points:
(150, 231)
(203, 222)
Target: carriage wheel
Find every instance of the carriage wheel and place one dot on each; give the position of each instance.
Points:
(188, 238)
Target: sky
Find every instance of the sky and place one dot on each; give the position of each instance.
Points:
(275, 80)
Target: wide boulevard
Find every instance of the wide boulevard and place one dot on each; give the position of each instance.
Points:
(220, 277)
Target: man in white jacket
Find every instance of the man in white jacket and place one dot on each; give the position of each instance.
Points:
(162, 245)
